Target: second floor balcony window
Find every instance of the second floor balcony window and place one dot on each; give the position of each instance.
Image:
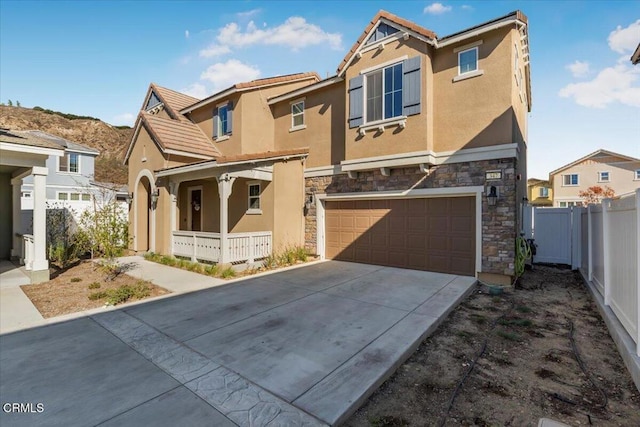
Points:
(384, 93)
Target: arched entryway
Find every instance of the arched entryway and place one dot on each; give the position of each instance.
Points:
(143, 213)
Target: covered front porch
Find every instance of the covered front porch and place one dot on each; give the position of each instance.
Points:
(224, 211)
(21, 155)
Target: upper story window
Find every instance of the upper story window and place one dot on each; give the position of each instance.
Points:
(69, 163)
(544, 192)
(254, 198)
(637, 174)
(222, 121)
(603, 176)
(385, 94)
(468, 60)
(570, 179)
(381, 32)
(297, 115)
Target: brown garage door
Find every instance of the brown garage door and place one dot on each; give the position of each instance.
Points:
(435, 234)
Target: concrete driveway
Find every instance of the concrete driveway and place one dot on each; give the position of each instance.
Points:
(299, 347)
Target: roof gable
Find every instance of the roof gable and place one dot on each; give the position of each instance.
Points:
(597, 155)
(152, 102)
(159, 97)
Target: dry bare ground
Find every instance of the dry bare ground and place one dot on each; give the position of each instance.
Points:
(68, 292)
(547, 353)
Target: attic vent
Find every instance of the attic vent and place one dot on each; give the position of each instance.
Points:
(381, 32)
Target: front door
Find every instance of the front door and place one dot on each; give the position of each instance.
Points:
(196, 210)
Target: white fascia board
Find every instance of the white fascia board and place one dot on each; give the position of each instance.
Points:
(405, 194)
(256, 173)
(31, 149)
(323, 171)
(304, 90)
(478, 31)
(187, 154)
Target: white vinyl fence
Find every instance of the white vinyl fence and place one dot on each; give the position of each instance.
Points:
(613, 255)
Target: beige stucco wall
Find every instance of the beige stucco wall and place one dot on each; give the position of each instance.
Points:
(324, 118)
(203, 117)
(394, 140)
(474, 112)
(621, 178)
(210, 208)
(239, 220)
(288, 193)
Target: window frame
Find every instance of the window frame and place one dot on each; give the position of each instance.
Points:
(258, 197)
(637, 175)
(365, 84)
(543, 192)
(303, 125)
(477, 61)
(564, 184)
(601, 178)
(66, 161)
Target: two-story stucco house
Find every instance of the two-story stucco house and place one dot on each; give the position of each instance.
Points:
(601, 168)
(413, 155)
(539, 192)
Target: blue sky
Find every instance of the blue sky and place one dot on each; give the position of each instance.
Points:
(98, 58)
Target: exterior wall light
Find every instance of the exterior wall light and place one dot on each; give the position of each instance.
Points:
(129, 198)
(308, 202)
(155, 195)
(492, 197)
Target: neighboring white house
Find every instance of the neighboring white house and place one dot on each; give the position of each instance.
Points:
(70, 183)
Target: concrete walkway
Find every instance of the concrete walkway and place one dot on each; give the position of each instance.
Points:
(304, 346)
(16, 310)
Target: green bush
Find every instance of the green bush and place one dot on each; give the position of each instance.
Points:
(94, 285)
(75, 280)
(228, 273)
(212, 270)
(97, 295)
(122, 293)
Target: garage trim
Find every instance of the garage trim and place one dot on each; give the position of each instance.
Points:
(476, 191)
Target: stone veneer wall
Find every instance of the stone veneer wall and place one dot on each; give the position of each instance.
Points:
(499, 224)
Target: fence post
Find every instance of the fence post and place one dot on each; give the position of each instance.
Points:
(252, 244)
(606, 243)
(576, 238)
(194, 257)
(638, 272)
(590, 245)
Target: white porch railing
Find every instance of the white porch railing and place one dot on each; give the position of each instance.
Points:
(204, 246)
(28, 250)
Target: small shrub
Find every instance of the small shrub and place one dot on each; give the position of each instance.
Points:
(75, 280)
(183, 263)
(271, 261)
(166, 260)
(94, 285)
(301, 253)
(228, 273)
(97, 295)
(212, 270)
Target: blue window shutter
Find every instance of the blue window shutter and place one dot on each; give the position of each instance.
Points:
(229, 118)
(215, 122)
(356, 101)
(411, 82)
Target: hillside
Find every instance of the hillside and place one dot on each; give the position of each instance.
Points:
(110, 141)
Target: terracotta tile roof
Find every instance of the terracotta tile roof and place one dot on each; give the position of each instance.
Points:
(635, 58)
(517, 14)
(278, 79)
(25, 137)
(390, 17)
(262, 155)
(179, 135)
(176, 100)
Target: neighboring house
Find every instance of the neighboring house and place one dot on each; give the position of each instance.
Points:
(601, 168)
(413, 155)
(539, 192)
(23, 154)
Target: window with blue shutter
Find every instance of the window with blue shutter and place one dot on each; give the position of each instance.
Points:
(411, 89)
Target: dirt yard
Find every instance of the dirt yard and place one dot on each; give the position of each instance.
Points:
(541, 350)
(68, 291)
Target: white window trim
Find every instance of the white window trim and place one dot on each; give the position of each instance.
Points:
(540, 191)
(380, 124)
(636, 175)
(303, 125)
(59, 159)
(249, 210)
(26, 194)
(571, 185)
(477, 61)
(600, 176)
(225, 136)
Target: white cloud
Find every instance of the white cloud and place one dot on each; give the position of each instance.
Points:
(613, 84)
(295, 33)
(214, 50)
(196, 90)
(225, 74)
(578, 68)
(124, 119)
(436, 9)
(186, 34)
(467, 7)
(623, 40)
(248, 13)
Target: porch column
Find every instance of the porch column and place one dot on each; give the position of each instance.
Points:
(173, 190)
(225, 187)
(16, 228)
(40, 269)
